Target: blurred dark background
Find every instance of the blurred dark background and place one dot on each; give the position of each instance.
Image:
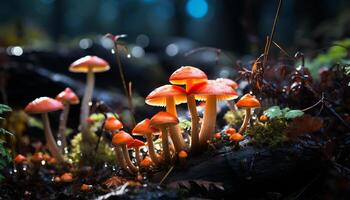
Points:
(39, 39)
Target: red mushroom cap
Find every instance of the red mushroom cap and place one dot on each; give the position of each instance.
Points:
(112, 124)
(228, 82)
(213, 88)
(143, 127)
(136, 143)
(236, 137)
(248, 101)
(43, 105)
(164, 119)
(158, 96)
(93, 62)
(20, 159)
(185, 73)
(68, 96)
(122, 138)
(182, 154)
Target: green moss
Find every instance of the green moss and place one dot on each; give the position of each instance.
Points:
(234, 118)
(84, 153)
(270, 134)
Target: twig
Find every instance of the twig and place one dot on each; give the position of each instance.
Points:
(166, 175)
(310, 107)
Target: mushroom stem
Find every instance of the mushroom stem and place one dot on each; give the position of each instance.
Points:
(175, 132)
(246, 121)
(209, 121)
(63, 126)
(165, 145)
(121, 160)
(85, 111)
(50, 140)
(138, 156)
(192, 107)
(151, 151)
(132, 167)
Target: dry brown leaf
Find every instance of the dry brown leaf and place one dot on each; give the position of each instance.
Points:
(303, 125)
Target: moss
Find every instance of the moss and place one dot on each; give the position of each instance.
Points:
(271, 133)
(84, 153)
(234, 118)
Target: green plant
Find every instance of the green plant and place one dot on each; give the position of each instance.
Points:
(234, 118)
(5, 157)
(277, 112)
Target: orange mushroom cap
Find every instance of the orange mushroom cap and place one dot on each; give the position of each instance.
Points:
(248, 101)
(228, 82)
(236, 137)
(143, 127)
(20, 159)
(136, 143)
(158, 96)
(230, 131)
(213, 88)
(43, 105)
(68, 95)
(182, 154)
(112, 124)
(164, 119)
(67, 177)
(121, 138)
(37, 157)
(83, 64)
(185, 73)
(146, 162)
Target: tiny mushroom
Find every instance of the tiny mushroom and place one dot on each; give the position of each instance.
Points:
(67, 177)
(19, 159)
(67, 97)
(248, 102)
(89, 65)
(236, 137)
(169, 96)
(230, 131)
(37, 157)
(121, 140)
(182, 156)
(211, 91)
(146, 162)
(44, 105)
(163, 121)
(112, 124)
(136, 144)
(144, 128)
(188, 75)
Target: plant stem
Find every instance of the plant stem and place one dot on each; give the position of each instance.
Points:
(131, 166)
(63, 126)
(85, 111)
(245, 121)
(50, 140)
(209, 121)
(175, 132)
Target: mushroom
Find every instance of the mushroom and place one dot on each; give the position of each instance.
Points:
(136, 144)
(144, 128)
(211, 91)
(228, 82)
(188, 75)
(121, 140)
(236, 137)
(146, 162)
(89, 65)
(163, 121)
(37, 157)
(112, 124)
(44, 105)
(169, 96)
(19, 159)
(182, 157)
(248, 102)
(67, 97)
(67, 177)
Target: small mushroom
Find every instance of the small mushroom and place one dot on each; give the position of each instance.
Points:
(89, 65)
(37, 157)
(236, 138)
(169, 96)
(211, 91)
(230, 131)
(188, 75)
(121, 140)
(66, 177)
(136, 144)
(146, 162)
(144, 128)
(163, 121)
(44, 105)
(86, 187)
(248, 102)
(182, 157)
(19, 159)
(67, 97)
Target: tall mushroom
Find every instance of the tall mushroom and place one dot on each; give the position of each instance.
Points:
(44, 105)
(89, 65)
(122, 139)
(169, 96)
(211, 91)
(248, 102)
(144, 128)
(136, 144)
(67, 97)
(163, 121)
(188, 75)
